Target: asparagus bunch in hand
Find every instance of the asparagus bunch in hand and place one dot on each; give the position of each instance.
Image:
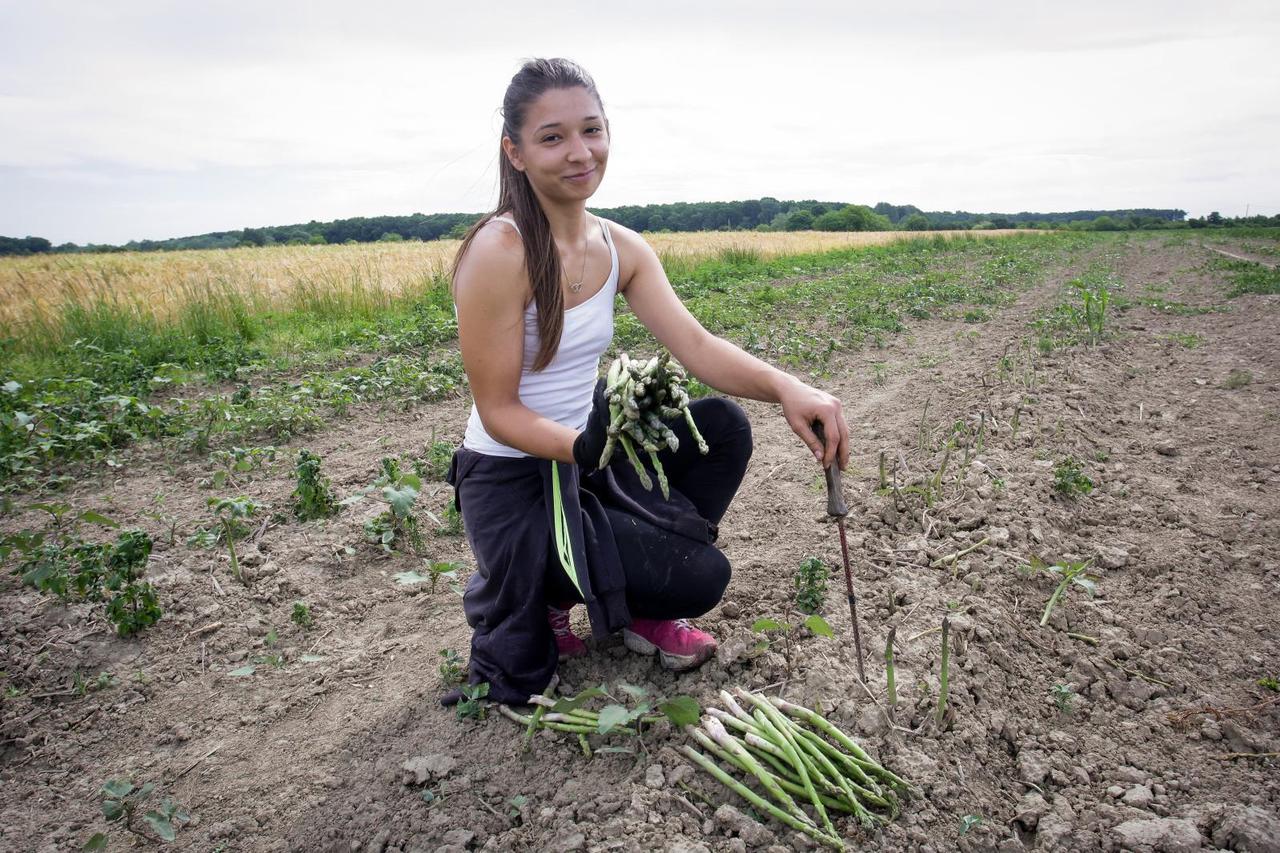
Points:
(642, 395)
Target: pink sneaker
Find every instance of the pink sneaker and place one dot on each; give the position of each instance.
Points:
(679, 645)
(567, 642)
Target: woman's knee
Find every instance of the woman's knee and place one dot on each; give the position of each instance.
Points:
(725, 420)
(713, 579)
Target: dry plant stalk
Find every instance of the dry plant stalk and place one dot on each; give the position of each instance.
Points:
(1182, 718)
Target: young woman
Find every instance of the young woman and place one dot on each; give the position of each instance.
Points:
(534, 285)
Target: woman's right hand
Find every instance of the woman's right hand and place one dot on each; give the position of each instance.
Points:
(588, 447)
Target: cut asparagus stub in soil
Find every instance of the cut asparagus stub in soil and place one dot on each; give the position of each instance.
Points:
(794, 765)
(642, 396)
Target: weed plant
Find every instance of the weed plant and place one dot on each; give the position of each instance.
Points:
(1237, 379)
(1190, 340)
(452, 523)
(453, 670)
(231, 514)
(765, 627)
(237, 465)
(397, 525)
(472, 705)
(1063, 696)
(1067, 574)
(121, 800)
(811, 585)
(301, 616)
(1069, 479)
(1248, 276)
(1094, 297)
(59, 562)
(313, 496)
(435, 465)
(1082, 317)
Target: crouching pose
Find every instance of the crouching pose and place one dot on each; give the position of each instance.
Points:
(534, 285)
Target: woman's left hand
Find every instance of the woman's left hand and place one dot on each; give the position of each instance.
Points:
(802, 405)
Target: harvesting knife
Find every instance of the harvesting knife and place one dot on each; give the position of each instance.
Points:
(837, 509)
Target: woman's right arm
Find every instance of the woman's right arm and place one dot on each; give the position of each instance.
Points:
(491, 289)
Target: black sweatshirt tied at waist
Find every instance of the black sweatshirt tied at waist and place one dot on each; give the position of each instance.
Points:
(510, 518)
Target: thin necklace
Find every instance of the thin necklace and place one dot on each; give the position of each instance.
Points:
(575, 286)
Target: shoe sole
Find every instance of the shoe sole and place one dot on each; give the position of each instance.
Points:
(677, 663)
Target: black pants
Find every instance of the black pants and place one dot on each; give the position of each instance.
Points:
(670, 576)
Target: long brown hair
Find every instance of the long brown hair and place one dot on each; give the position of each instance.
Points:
(541, 260)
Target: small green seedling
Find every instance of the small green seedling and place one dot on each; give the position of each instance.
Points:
(815, 623)
(515, 808)
(811, 585)
(452, 523)
(1237, 379)
(436, 464)
(442, 569)
(83, 687)
(237, 461)
(301, 616)
(398, 524)
(472, 706)
(1095, 297)
(1069, 574)
(313, 496)
(1269, 683)
(274, 660)
(1062, 697)
(230, 513)
(435, 571)
(970, 821)
(1069, 479)
(121, 801)
(452, 668)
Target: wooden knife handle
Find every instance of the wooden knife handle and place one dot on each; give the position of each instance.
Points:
(835, 488)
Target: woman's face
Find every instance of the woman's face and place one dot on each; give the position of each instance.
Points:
(564, 145)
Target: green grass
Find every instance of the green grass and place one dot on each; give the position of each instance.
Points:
(103, 374)
(1248, 276)
(800, 310)
(1237, 379)
(221, 333)
(1190, 340)
(1081, 315)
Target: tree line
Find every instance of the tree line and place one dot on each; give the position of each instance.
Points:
(763, 214)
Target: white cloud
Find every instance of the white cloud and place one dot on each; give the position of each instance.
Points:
(145, 119)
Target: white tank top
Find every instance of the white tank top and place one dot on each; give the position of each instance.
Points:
(562, 390)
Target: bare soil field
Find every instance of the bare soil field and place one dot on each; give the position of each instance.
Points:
(1132, 720)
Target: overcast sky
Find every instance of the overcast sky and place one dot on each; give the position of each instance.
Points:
(127, 120)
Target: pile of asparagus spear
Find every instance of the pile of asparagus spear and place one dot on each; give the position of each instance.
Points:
(793, 755)
(641, 395)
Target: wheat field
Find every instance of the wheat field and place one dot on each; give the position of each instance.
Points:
(34, 290)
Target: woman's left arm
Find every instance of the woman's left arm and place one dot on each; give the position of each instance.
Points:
(719, 363)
